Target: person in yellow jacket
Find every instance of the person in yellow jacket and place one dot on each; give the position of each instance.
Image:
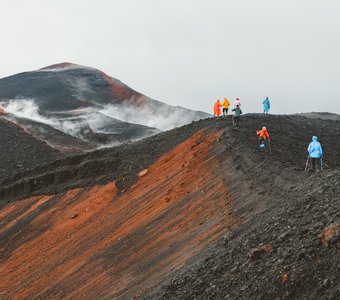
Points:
(225, 106)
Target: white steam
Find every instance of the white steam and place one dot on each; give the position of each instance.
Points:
(161, 116)
(28, 109)
(107, 120)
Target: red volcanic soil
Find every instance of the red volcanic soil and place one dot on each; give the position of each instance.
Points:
(123, 93)
(90, 243)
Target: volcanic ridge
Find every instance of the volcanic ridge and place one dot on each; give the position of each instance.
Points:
(196, 212)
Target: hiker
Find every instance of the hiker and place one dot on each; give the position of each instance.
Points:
(236, 117)
(315, 152)
(263, 136)
(217, 108)
(237, 102)
(266, 105)
(225, 107)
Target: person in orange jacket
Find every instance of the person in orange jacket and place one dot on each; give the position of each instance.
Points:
(263, 136)
(225, 107)
(217, 108)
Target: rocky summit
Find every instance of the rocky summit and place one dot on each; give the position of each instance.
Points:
(75, 108)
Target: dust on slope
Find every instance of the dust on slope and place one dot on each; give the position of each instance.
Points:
(96, 243)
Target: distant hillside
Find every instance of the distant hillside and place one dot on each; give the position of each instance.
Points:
(86, 104)
(65, 87)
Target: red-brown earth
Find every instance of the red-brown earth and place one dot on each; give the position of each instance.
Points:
(151, 229)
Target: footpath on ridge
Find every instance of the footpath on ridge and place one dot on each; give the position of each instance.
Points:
(288, 243)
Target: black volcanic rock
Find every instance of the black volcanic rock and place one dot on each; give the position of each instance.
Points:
(20, 151)
(64, 90)
(285, 210)
(56, 139)
(280, 212)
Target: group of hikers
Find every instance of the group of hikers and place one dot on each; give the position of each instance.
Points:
(236, 110)
(314, 148)
(225, 107)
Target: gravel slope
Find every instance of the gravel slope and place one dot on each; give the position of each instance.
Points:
(274, 250)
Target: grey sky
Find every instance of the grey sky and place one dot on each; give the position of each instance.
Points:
(187, 52)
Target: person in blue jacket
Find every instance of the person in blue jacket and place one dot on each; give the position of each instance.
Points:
(315, 152)
(266, 105)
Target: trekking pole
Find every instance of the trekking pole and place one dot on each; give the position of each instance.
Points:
(321, 164)
(307, 163)
(270, 148)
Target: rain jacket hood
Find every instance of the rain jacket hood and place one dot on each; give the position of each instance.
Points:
(225, 103)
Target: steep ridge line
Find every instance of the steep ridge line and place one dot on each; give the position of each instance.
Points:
(121, 163)
(279, 205)
(96, 242)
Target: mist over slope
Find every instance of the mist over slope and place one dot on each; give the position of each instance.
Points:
(212, 217)
(86, 104)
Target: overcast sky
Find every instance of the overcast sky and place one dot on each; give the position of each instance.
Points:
(187, 52)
